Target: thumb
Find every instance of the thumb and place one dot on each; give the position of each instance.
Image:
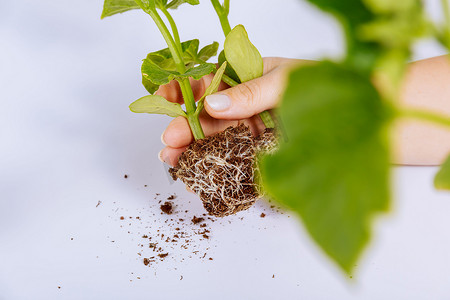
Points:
(246, 99)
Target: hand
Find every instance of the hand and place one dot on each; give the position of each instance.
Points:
(228, 107)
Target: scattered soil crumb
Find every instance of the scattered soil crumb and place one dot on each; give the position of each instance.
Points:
(167, 207)
(125, 176)
(98, 203)
(273, 276)
(146, 261)
(196, 220)
(162, 255)
(262, 215)
(59, 287)
(171, 197)
(210, 258)
(122, 218)
(181, 278)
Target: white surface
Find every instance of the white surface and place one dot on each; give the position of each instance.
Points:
(67, 139)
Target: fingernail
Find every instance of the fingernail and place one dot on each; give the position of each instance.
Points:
(162, 158)
(218, 102)
(162, 138)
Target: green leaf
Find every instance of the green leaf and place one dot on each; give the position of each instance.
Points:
(442, 179)
(154, 104)
(149, 86)
(334, 169)
(229, 71)
(199, 71)
(242, 55)
(155, 73)
(191, 55)
(175, 3)
(112, 7)
(212, 88)
(147, 5)
(208, 51)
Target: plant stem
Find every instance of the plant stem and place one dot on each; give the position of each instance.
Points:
(222, 13)
(177, 58)
(185, 86)
(426, 116)
(174, 28)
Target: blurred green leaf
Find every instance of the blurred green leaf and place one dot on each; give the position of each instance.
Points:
(112, 7)
(242, 55)
(333, 170)
(442, 179)
(154, 104)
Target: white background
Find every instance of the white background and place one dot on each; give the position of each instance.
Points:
(67, 138)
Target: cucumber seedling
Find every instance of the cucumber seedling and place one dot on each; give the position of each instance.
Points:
(221, 168)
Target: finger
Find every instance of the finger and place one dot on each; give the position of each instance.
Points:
(170, 155)
(249, 98)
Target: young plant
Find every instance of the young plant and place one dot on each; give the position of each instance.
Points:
(224, 175)
(180, 61)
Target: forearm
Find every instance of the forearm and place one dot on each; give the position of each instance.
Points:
(427, 87)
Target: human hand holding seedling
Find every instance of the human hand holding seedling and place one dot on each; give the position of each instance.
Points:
(228, 107)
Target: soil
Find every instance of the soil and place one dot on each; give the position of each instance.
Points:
(167, 207)
(222, 168)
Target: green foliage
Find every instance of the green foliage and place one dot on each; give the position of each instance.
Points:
(159, 76)
(442, 179)
(212, 88)
(112, 7)
(154, 104)
(191, 55)
(175, 3)
(208, 51)
(242, 55)
(333, 170)
(229, 71)
(159, 66)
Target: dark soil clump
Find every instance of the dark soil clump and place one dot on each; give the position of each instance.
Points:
(222, 168)
(167, 207)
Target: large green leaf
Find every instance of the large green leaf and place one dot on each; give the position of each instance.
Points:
(154, 104)
(442, 179)
(242, 55)
(112, 7)
(333, 169)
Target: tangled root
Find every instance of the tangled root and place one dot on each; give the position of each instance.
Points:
(222, 168)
